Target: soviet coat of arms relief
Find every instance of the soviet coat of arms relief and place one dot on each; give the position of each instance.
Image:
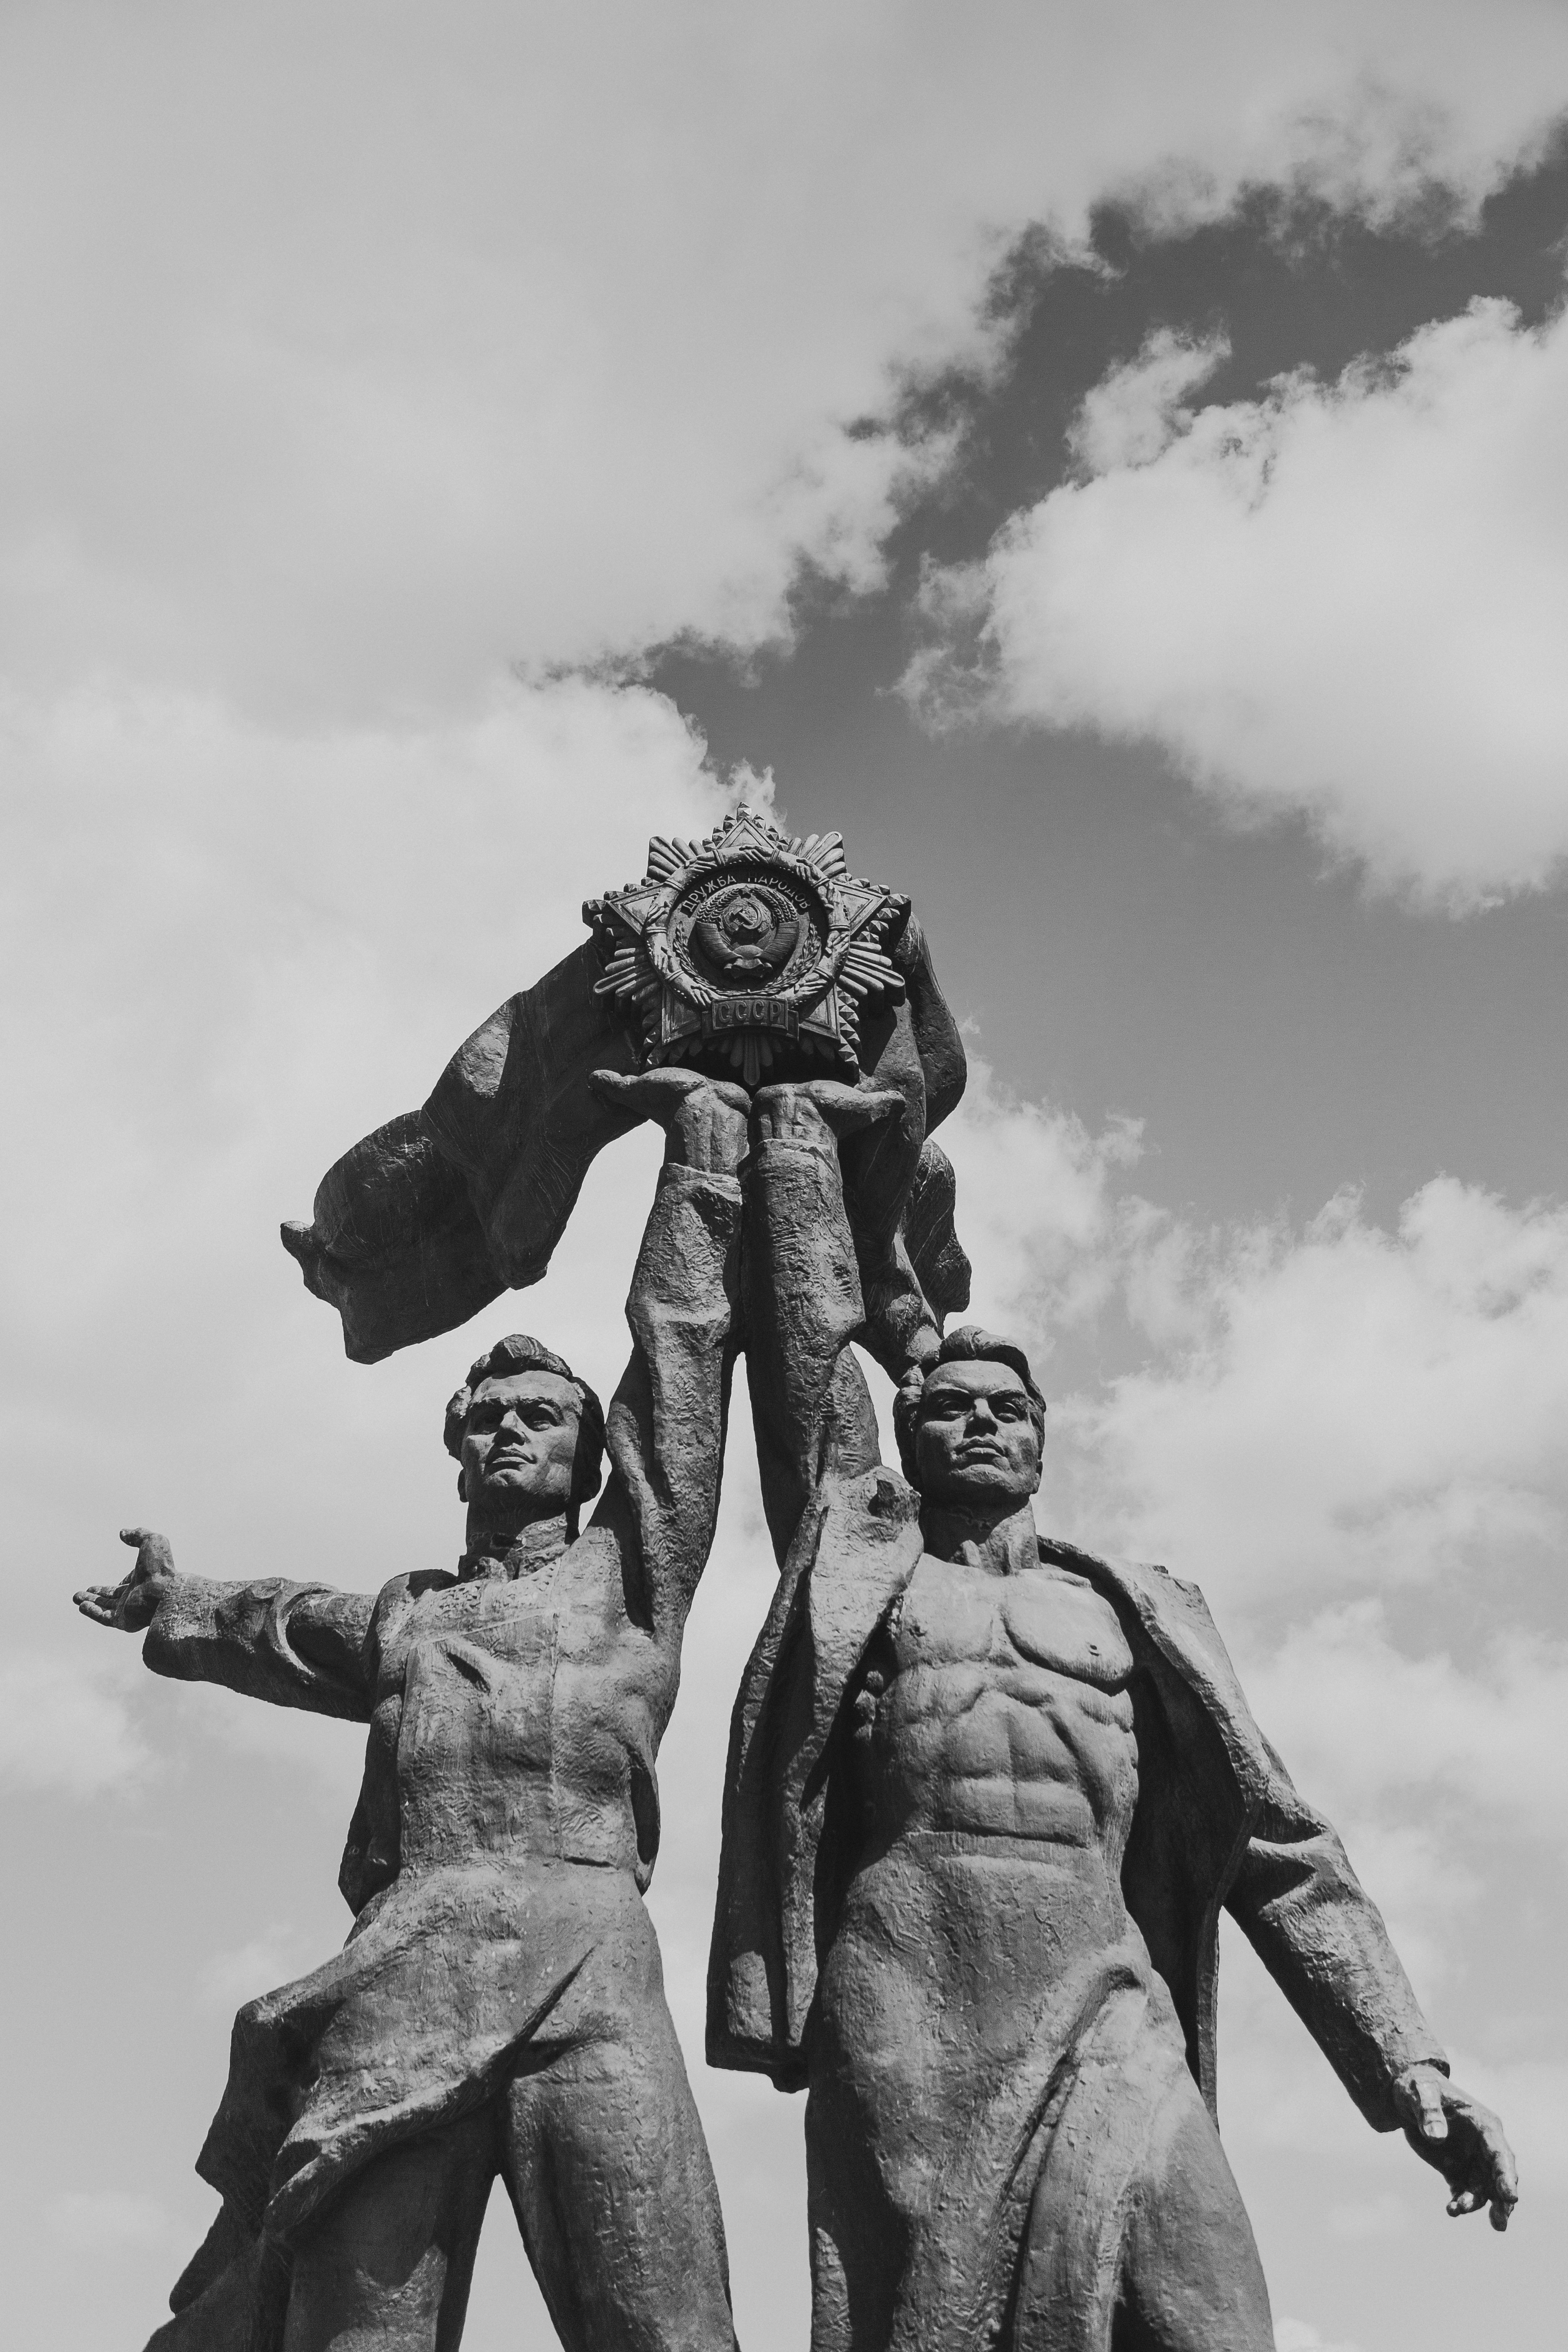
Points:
(750, 951)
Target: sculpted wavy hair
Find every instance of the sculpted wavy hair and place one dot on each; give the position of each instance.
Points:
(968, 1344)
(518, 1353)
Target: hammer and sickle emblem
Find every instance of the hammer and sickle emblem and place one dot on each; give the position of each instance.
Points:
(745, 940)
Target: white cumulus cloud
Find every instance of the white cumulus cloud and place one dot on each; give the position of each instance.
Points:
(228, 950)
(1137, 409)
(1279, 1408)
(1353, 1403)
(1484, 1734)
(1346, 602)
(342, 370)
(1041, 1210)
(65, 1725)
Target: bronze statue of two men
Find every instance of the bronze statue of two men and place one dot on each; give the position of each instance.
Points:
(985, 1797)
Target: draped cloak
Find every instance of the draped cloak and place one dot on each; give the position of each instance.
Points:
(427, 1219)
(1217, 1823)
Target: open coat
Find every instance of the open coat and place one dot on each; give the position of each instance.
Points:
(1219, 1821)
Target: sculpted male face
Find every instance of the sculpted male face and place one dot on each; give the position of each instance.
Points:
(520, 1442)
(976, 1438)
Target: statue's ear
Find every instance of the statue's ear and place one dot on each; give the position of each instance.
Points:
(462, 1488)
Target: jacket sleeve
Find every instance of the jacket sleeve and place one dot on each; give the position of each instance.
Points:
(294, 1644)
(1322, 1940)
(857, 1549)
(811, 1408)
(665, 1429)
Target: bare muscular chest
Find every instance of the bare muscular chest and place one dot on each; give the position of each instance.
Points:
(1045, 1619)
(999, 1705)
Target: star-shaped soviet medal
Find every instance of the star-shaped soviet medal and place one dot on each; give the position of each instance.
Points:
(749, 949)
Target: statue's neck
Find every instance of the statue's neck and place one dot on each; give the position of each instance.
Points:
(502, 1547)
(1001, 1541)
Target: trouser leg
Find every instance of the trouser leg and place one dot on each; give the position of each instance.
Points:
(1191, 2278)
(387, 2267)
(608, 2171)
(858, 2244)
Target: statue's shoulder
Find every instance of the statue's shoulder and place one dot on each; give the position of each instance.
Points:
(1143, 1579)
(861, 1526)
(400, 1591)
(858, 1548)
(879, 1494)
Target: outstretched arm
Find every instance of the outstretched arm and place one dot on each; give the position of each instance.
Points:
(295, 1644)
(665, 1428)
(810, 1405)
(1323, 1941)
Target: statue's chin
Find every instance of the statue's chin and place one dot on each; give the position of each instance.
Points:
(978, 1491)
(512, 1486)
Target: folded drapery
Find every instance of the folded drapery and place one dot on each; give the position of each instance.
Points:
(435, 1214)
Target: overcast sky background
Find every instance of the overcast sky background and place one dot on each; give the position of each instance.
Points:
(1111, 461)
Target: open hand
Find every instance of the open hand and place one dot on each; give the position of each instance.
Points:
(704, 1120)
(130, 1605)
(801, 1113)
(1462, 2139)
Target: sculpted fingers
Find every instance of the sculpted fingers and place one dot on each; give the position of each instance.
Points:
(847, 1109)
(1505, 2185)
(1418, 2099)
(1464, 2140)
(1490, 2176)
(1430, 2120)
(804, 1112)
(100, 1603)
(130, 1604)
(633, 1094)
(659, 1094)
(127, 1608)
(155, 1553)
(732, 1096)
(704, 1118)
(1418, 2102)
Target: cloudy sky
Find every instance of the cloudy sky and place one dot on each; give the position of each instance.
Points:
(1113, 462)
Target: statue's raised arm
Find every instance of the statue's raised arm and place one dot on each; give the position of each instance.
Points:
(666, 1426)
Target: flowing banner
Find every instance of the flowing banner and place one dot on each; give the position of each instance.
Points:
(753, 952)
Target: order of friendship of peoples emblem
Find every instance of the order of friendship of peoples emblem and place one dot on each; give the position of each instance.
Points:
(749, 948)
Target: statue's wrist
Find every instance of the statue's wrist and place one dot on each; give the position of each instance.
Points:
(795, 1144)
(148, 1597)
(1406, 2077)
(704, 1149)
(791, 1118)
